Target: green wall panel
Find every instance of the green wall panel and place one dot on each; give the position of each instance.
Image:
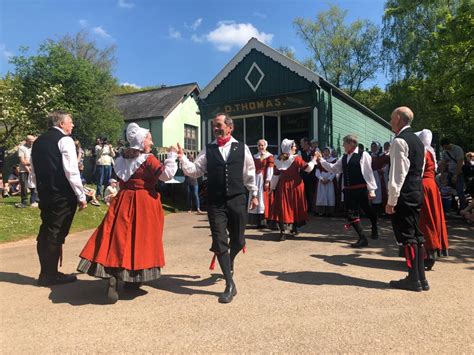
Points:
(348, 120)
(277, 80)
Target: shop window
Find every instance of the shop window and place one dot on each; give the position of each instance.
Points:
(190, 137)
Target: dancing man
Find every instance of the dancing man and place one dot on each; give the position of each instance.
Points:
(405, 197)
(231, 172)
(358, 186)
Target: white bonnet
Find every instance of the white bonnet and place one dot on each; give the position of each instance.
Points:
(286, 145)
(136, 136)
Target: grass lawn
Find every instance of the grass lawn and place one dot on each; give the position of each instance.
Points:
(22, 223)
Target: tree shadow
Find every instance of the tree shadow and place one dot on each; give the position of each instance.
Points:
(324, 278)
(357, 260)
(184, 284)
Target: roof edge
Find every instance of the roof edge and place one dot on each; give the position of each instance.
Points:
(278, 57)
(162, 88)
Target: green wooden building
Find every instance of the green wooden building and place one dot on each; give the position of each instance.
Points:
(171, 114)
(271, 96)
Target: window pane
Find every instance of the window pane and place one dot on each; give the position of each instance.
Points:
(238, 132)
(253, 130)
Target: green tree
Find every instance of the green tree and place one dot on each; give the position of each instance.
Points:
(87, 89)
(18, 118)
(346, 55)
(429, 47)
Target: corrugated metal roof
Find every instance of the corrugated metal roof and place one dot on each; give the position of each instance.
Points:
(153, 103)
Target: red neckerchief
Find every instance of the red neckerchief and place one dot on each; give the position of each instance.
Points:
(221, 141)
(351, 151)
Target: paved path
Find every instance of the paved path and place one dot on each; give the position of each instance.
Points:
(311, 294)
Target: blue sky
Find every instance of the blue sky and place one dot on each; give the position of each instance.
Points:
(167, 42)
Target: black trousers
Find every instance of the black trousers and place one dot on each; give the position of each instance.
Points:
(355, 200)
(405, 223)
(228, 215)
(57, 213)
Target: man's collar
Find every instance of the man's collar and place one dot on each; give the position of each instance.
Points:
(403, 128)
(60, 130)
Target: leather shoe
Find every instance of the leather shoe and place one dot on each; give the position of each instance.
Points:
(375, 233)
(362, 242)
(229, 293)
(112, 295)
(58, 279)
(406, 284)
(282, 237)
(424, 285)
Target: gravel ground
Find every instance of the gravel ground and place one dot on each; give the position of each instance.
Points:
(312, 294)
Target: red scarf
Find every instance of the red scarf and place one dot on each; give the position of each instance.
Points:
(221, 141)
(351, 151)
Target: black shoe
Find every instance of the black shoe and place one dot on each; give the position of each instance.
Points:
(58, 279)
(429, 263)
(424, 285)
(361, 243)
(282, 237)
(132, 286)
(112, 295)
(294, 232)
(229, 293)
(406, 284)
(375, 233)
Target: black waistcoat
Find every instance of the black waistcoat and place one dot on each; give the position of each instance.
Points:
(412, 188)
(352, 171)
(225, 178)
(48, 165)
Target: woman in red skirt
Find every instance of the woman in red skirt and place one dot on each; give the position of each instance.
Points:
(431, 223)
(264, 163)
(128, 245)
(289, 208)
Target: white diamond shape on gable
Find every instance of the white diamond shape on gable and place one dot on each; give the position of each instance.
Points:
(256, 67)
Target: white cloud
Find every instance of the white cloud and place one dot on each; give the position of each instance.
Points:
(228, 35)
(83, 23)
(125, 5)
(131, 84)
(4, 52)
(259, 14)
(174, 33)
(198, 39)
(101, 32)
(195, 25)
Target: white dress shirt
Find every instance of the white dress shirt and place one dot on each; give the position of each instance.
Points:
(399, 166)
(365, 166)
(70, 165)
(198, 168)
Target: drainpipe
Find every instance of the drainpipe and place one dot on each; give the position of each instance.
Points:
(330, 119)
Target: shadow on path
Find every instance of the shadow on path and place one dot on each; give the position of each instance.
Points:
(356, 259)
(325, 278)
(184, 284)
(78, 293)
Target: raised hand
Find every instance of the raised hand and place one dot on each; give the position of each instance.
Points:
(180, 151)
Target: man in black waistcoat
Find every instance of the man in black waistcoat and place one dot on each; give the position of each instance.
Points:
(231, 173)
(405, 196)
(359, 186)
(60, 190)
(309, 179)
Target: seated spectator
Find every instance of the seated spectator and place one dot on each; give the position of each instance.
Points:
(468, 212)
(90, 196)
(111, 191)
(14, 181)
(446, 192)
(2, 186)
